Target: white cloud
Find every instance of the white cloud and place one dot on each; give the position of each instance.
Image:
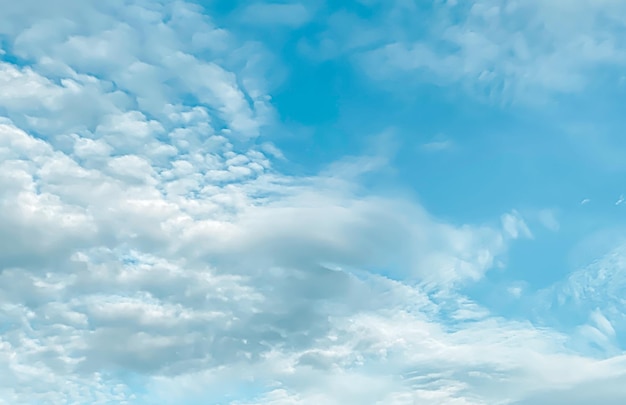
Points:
(499, 50)
(592, 296)
(151, 254)
(515, 291)
(437, 145)
(514, 226)
(602, 323)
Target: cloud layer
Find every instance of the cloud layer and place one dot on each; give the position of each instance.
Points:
(152, 253)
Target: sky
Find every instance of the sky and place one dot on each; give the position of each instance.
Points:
(359, 202)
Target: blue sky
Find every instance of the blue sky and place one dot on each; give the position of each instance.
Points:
(360, 202)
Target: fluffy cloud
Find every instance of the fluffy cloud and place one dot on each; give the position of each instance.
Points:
(151, 253)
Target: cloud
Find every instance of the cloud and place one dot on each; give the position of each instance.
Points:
(609, 392)
(515, 291)
(152, 253)
(156, 69)
(497, 50)
(491, 362)
(438, 143)
(591, 296)
(514, 226)
(437, 146)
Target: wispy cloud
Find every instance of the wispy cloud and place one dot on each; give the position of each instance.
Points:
(438, 143)
(505, 50)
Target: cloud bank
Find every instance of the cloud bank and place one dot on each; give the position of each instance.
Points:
(152, 253)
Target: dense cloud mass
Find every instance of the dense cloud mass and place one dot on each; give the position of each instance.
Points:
(152, 253)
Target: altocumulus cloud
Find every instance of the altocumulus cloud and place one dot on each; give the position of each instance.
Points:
(152, 254)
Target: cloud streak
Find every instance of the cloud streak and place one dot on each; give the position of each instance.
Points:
(498, 50)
